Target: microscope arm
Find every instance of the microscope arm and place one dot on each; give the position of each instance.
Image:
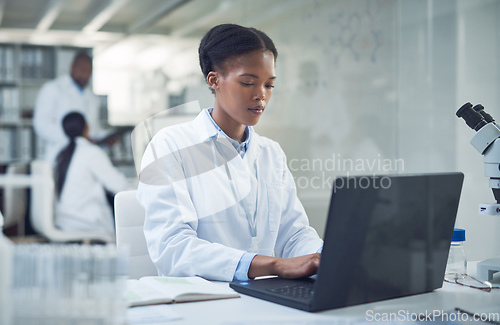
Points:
(487, 142)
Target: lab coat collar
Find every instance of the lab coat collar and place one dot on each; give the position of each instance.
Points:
(253, 148)
(207, 130)
(204, 126)
(73, 85)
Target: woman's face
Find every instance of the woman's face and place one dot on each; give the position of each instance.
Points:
(243, 88)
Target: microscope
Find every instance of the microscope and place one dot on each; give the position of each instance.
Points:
(487, 142)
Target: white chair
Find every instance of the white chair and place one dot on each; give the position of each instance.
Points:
(129, 220)
(42, 209)
(15, 200)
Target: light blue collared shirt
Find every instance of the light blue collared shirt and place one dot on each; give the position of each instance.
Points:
(242, 147)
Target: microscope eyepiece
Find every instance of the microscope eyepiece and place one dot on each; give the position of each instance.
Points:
(473, 118)
(487, 117)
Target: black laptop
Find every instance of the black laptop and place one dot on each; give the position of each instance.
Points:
(386, 237)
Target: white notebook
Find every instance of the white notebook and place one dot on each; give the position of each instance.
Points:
(151, 290)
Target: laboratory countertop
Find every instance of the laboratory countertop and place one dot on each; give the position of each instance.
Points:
(429, 306)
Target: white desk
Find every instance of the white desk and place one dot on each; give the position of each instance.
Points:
(249, 310)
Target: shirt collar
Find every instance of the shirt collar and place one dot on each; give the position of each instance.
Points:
(242, 147)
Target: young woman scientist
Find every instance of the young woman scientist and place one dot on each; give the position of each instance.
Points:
(220, 201)
(83, 172)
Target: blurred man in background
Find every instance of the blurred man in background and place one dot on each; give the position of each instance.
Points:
(60, 96)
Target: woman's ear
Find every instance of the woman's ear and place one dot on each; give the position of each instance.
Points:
(212, 80)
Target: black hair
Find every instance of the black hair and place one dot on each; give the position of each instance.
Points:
(228, 40)
(74, 125)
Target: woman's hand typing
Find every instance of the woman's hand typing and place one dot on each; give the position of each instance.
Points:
(288, 268)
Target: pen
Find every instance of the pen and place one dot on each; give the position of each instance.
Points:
(474, 314)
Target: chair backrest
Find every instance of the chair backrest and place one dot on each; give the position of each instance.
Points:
(42, 208)
(15, 200)
(129, 219)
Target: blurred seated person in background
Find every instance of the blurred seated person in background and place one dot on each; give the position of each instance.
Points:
(83, 174)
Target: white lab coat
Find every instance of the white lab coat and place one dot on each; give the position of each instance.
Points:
(83, 205)
(55, 99)
(194, 224)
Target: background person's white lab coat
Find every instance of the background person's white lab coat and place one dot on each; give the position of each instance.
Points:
(194, 223)
(83, 205)
(55, 99)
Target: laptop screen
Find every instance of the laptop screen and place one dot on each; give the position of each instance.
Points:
(387, 236)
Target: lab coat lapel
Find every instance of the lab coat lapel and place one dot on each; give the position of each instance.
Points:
(72, 91)
(204, 126)
(253, 149)
(245, 166)
(239, 170)
(79, 101)
(251, 158)
(240, 174)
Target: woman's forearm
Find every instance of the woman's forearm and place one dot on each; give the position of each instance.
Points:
(289, 268)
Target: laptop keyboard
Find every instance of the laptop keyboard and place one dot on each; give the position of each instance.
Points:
(301, 291)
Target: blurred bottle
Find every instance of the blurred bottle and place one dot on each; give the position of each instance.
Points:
(456, 268)
(5, 276)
